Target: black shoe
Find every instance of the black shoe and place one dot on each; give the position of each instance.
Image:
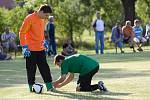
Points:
(140, 49)
(101, 86)
(122, 51)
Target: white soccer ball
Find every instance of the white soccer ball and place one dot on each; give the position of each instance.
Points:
(37, 88)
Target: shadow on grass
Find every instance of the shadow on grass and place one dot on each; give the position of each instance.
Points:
(120, 73)
(10, 78)
(87, 95)
(113, 57)
(14, 72)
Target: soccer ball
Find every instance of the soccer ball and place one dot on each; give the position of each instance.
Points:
(37, 88)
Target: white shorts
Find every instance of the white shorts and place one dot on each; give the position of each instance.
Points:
(138, 40)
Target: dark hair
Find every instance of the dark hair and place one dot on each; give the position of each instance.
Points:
(65, 45)
(46, 9)
(30, 11)
(57, 58)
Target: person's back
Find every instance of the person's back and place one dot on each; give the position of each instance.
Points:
(116, 34)
(116, 37)
(84, 65)
(78, 63)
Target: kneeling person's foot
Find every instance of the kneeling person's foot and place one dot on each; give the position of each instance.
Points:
(101, 86)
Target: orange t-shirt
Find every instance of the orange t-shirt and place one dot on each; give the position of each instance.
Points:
(32, 32)
(127, 31)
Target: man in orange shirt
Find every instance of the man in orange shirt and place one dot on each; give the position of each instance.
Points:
(128, 34)
(32, 41)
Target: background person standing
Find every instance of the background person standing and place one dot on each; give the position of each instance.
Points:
(50, 30)
(98, 26)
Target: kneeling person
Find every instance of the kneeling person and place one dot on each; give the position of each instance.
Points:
(77, 63)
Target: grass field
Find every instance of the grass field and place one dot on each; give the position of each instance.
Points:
(127, 77)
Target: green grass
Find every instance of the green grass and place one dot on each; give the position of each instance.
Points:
(127, 76)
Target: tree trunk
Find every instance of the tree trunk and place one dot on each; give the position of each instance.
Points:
(129, 9)
(70, 29)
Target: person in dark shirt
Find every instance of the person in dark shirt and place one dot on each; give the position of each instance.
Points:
(50, 29)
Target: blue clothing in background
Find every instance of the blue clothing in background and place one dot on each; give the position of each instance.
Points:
(138, 31)
(99, 37)
(52, 44)
(117, 36)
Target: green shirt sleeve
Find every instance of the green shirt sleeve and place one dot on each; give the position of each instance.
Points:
(64, 68)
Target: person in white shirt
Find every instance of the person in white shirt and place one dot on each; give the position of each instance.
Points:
(99, 26)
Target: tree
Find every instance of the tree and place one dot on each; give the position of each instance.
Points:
(142, 11)
(129, 9)
(3, 18)
(112, 12)
(71, 18)
(148, 7)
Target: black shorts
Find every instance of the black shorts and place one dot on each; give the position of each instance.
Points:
(87, 77)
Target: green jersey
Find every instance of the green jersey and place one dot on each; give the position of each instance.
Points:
(78, 64)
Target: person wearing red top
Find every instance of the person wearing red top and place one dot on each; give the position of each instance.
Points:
(32, 40)
(128, 34)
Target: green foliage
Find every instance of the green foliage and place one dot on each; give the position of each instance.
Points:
(113, 12)
(3, 19)
(12, 18)
(73, 17)
(143, 10)
(16, 18)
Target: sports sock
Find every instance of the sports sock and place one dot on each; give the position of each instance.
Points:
(49, 86)
(30, 87)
